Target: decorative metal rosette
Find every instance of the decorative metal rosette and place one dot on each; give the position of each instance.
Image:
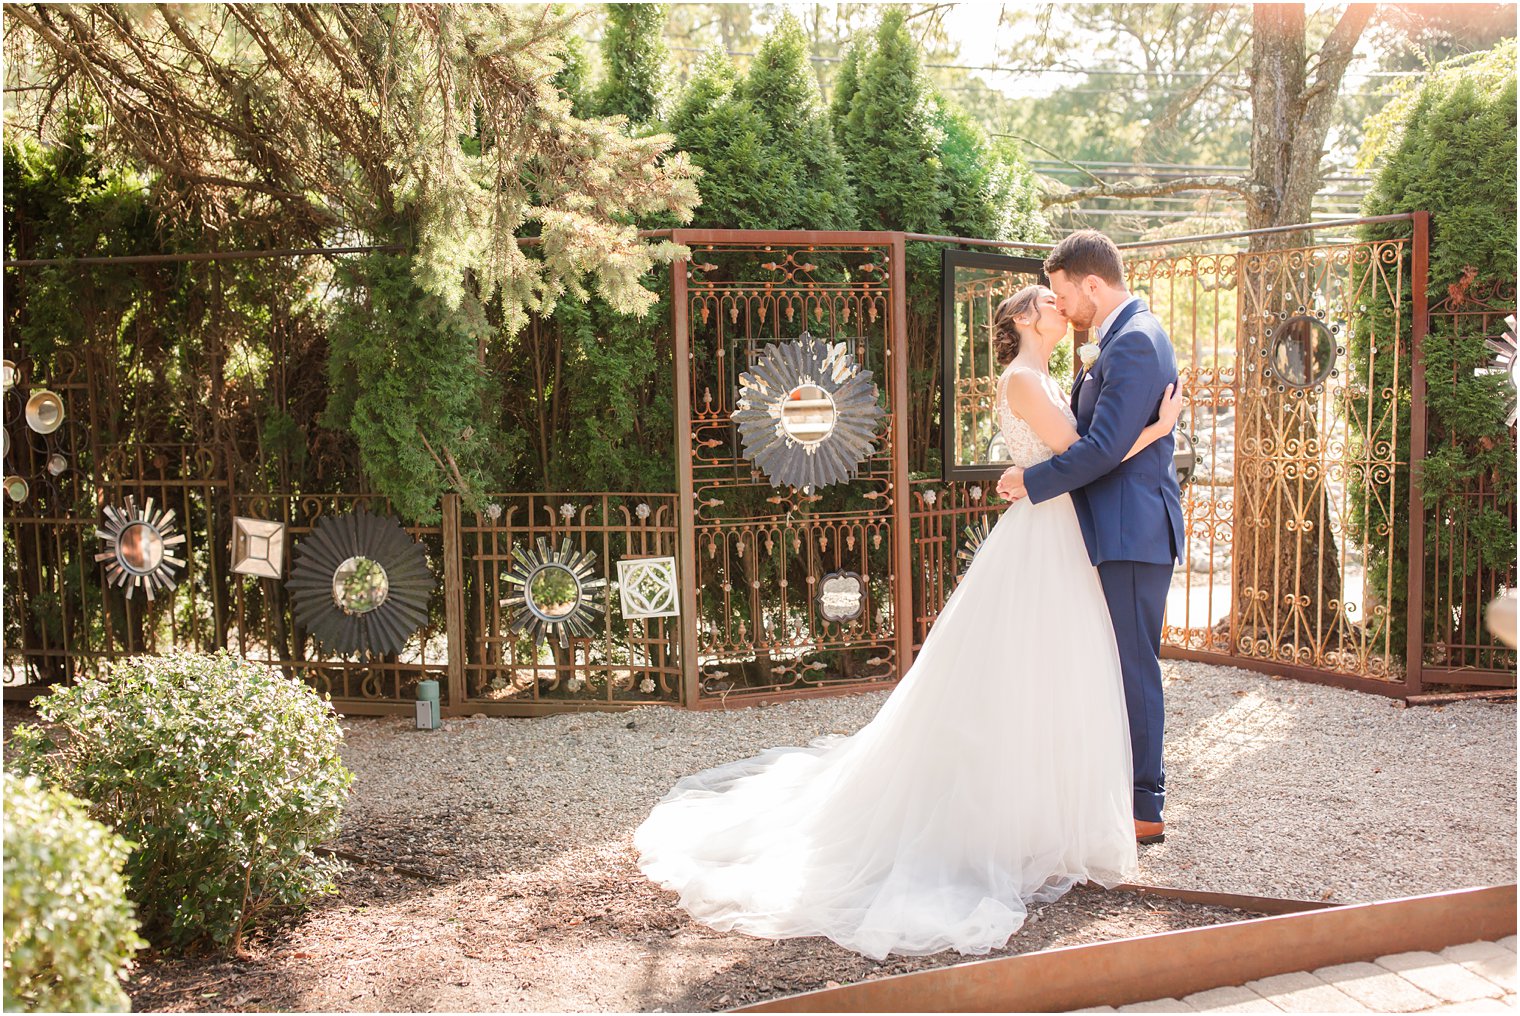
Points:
(1505, 362)
(976, 535)
(556, 588)
(137, 545)
(360, 584)
(807, 413)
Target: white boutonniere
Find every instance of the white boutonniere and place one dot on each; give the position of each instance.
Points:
(1088, 354)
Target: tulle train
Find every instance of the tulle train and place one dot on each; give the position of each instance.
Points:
(995, 775)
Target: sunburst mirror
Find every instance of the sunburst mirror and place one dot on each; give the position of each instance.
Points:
(976, 534)
(137, 548)
(555, 592)
(1505, 362)
(361, 584)
(807, 413)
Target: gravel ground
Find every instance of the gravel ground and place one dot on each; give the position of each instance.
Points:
(494, 867)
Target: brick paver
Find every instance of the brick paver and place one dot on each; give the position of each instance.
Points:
(1159, 1005)
(1303, 992)
(1229, 1000)
(1448, 981)
(1489, 960)
(1473, 977)
(1376, 988)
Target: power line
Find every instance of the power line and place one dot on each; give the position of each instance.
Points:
(1046, 70)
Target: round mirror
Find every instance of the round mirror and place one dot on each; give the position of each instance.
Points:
(57, 464)
(808, 414)
(1184, 457)
(553, 591)
(16, 488)
(1303, 351)
(360, 585)
(140, 548)
(44, 412)
(7, 375)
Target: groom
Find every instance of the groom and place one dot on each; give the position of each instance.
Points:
(1130, 511)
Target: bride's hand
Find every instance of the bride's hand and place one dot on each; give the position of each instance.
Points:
(1171, 405)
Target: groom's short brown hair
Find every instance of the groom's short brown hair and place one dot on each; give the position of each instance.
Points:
(1087, 252)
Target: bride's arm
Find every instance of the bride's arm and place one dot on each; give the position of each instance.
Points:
(1027, 397)
(1171, 409)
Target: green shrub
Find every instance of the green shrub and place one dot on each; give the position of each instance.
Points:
(226, 773)
(69, 931)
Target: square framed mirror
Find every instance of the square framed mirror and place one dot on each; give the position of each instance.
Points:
(973, 284)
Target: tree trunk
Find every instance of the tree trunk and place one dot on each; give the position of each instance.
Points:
(1287, 578)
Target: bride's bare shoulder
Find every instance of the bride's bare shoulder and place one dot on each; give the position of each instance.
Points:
(1024, 385)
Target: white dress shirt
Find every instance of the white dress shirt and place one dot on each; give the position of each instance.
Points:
(1108, 321)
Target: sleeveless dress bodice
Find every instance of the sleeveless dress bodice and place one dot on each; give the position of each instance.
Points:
(1024, 446)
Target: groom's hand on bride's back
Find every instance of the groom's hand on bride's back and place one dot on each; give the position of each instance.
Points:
(1010, 485)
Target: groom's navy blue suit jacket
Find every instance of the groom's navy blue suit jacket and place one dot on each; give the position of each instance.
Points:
(1117, 502)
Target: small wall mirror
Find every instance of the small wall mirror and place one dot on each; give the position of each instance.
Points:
(557, 591)
(1303, 351)
(44, 412)
(140, 548)
(137, 550)
(808, 413)
(553, 592)
(360, 585)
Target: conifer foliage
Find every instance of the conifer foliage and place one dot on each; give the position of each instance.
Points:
(1447, 147)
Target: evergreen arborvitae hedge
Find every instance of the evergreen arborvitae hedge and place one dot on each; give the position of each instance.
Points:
(1448, 148)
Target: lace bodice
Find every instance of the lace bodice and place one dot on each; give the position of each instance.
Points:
(1024, 446)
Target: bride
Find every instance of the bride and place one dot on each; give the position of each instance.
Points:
(996, 774)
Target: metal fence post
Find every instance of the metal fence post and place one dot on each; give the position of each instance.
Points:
(453, 602)
(1415, 636)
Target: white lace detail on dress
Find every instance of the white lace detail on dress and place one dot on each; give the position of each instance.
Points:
(1024, 446)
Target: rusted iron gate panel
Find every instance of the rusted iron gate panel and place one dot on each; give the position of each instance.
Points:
(628, 662)
(753, 555)
(1289, 517)
(1459, 577)
(1288, 566)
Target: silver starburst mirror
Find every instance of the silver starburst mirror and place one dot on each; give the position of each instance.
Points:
(807, 413)
(1505, 362)
(137, 548)
(975, 535)
(556, 592)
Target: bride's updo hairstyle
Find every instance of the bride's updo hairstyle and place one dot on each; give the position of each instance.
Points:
(1016, 310)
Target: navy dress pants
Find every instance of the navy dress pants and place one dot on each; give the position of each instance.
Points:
(1136, 594)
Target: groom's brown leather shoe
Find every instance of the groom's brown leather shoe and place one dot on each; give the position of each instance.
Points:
(1149, 832)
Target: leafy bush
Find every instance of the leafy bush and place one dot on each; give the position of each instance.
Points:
(69, 931)
(226, 773)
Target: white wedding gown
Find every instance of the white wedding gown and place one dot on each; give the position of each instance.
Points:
(996, 774)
